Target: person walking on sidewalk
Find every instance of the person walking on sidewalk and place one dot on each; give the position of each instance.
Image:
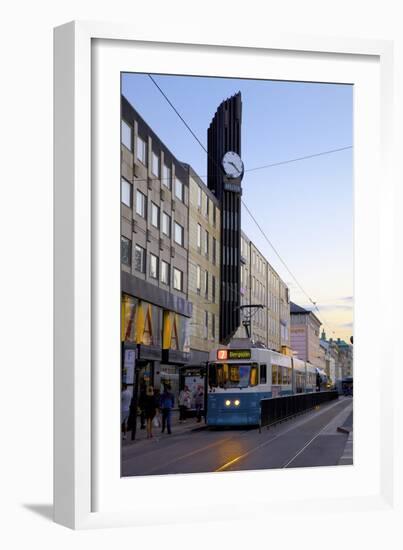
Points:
(150, 409)
(199, 402)
(184, 403)
(142, 397)
(126, 398)
(166, 405)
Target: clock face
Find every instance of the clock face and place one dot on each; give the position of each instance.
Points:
(232, 165)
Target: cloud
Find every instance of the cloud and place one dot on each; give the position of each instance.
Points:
(346, 298)
(346, 325)
(331, 307)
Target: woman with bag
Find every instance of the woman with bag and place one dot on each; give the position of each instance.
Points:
(150, 410)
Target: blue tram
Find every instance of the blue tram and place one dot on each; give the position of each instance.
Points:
(237, 380)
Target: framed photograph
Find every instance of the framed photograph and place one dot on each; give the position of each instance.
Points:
(221, 225)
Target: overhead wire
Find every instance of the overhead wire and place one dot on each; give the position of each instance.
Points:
(314, 303)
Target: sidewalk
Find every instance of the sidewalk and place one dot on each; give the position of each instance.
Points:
(347, 456)
(177, 428)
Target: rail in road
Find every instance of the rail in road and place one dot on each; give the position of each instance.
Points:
(310, 440)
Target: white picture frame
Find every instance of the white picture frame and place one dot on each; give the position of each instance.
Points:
(88, 490)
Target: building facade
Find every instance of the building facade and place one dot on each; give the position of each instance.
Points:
(305, 328)
(203, 268)
(345, 357)
(261, 285)
(156, 311)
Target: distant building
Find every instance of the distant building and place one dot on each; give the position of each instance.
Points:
(331, 364)
(345, 357)
(305, 328)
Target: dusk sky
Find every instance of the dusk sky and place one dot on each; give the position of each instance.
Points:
(306, 207)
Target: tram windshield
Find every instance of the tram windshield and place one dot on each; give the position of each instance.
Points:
(230, 375)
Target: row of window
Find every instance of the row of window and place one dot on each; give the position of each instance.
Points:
(159, 220)
(165, 174)
(205, 283)
(280, 375)
(258, 290)
(157, 269)
(203, 204)
(207, 324)
(258, 263)
(204, 244)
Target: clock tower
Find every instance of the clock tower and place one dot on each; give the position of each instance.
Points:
(225, 171)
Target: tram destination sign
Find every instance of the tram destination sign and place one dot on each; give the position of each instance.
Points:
(226, 354)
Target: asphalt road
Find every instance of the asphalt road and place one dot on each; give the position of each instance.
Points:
(309, 440)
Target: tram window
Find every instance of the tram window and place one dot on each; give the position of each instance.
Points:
(253, 376)
(212, 375)
(285, 375)
(263, 374)
(274, 374)
(279, 374)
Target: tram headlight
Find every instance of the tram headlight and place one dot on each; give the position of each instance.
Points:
(236, 402)
(228, 403)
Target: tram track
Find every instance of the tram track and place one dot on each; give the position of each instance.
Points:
(339, 406)
(220, 450)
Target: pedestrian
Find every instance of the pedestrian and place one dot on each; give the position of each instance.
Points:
(142, 397)
(126, 398)
(150, 409)
(184, 403)
(199, 402)
(166, 405)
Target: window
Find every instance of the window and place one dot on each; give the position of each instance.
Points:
(233, 375)
(213, 325)
(126, 189)
(166, 176)
(274, 374)
(179, 189)
(263, 374)
(164, 272)
(207, 207)
(166, 224)
(155, 215)
(206, 243)
(214, 250)
(153, 266)
(206, 325)
(155, 168)
(141, 150)
(126, 136)
(125, 250)
(179, 234)
(141, 204)
(139, 259)
(198, 278)
(199, 198)
(214, 215)
(178, 279)
(206, 283)
(213, 288)
(199, 235)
